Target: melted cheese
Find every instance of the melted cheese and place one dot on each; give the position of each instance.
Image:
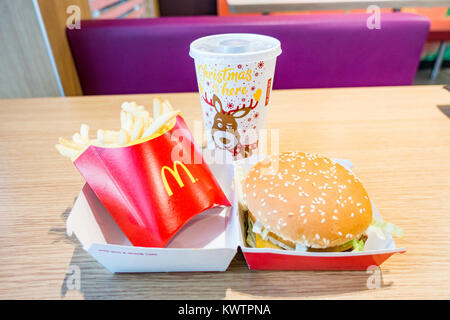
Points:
(261, 243)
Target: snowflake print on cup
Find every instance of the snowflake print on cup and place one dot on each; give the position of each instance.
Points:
(241, 81)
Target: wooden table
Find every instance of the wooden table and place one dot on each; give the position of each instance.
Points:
(265, 6)
(397, 138)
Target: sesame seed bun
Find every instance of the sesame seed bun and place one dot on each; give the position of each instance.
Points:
(307, 199)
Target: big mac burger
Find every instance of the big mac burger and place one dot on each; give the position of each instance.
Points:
(306, 202)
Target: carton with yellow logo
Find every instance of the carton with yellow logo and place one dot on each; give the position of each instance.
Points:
(154, 187)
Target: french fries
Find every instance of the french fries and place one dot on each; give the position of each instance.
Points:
(135, 123)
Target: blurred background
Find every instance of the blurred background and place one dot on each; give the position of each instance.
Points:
(119, 45)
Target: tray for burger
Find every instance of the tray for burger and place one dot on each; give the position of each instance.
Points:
(209, 240)
(376, 244)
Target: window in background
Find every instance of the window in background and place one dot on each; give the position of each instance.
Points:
(123, 9)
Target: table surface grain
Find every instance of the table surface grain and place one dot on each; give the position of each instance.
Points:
(397, 138)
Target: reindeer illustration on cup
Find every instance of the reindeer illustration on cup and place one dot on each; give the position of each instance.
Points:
(224, 131)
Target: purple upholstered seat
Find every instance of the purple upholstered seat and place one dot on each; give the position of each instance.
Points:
(151, 55)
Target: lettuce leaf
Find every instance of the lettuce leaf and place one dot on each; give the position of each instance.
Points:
(379, 226)
(357, 245)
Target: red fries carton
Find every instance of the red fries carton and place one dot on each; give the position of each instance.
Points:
(207, 242)
(152, 188)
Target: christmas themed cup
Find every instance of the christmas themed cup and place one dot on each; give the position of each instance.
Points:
(235, 76)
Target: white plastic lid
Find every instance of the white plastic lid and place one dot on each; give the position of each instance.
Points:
(235, 47)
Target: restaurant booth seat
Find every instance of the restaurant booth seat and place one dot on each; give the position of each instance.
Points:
(335, 50)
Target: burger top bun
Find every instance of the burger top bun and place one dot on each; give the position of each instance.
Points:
(307, 199)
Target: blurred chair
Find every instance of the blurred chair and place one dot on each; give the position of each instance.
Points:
(439, 34)
(152, 55)
(187, 7)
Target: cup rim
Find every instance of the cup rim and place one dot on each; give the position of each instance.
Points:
(244, 57)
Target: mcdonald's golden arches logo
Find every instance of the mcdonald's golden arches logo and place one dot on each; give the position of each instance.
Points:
(174, 172)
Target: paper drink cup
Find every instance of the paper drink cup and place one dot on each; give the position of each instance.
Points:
(235, 77)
